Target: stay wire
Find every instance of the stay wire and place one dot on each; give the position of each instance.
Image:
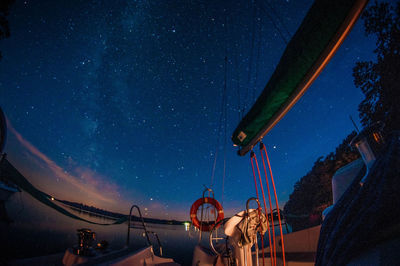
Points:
(250, 60)
(225, 100)
(258, 56)
(221, 117)
(239, 106)
(277, 17)
(274, 24)
(225, 130)
(216, 148)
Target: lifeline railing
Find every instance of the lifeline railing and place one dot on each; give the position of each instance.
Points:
(210, 192)
(144, 228)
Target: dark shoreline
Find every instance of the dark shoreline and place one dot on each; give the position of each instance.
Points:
(93, 211)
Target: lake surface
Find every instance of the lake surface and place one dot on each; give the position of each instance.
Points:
(38, 230)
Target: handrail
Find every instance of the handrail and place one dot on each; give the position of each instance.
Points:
(143, 224)
(248, 202)
(211, 238)
(259, 211)
(210, 191)
(158, 241)
(275, 211)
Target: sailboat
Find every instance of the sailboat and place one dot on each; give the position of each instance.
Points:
(323, 30)
(319, 36)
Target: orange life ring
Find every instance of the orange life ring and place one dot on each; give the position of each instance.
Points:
(205, 226)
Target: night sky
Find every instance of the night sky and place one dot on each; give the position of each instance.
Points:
(112, 103)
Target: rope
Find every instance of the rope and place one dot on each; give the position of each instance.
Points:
(270, 201)
(254, 173)
(277, 204)
(262, 190)
(266, 214)
(258, 200)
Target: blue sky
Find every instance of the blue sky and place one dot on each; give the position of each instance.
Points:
(114, 103)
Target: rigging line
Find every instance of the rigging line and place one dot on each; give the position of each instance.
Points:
(218, 141)
(214, 165)
(218, 133)
(254, 173)
(238, 89)
(239, 104)
(225, 100)
(273, 258)
(274, 24)
(252, 155)
(277, 204)
(278, 18)
(222, 115)
(269, 198)
(225, 128)
(258, 56)
(251, 60)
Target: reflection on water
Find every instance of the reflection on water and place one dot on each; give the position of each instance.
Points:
(187, 226)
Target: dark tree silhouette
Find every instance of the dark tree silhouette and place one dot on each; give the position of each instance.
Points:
(4, 25)
(380, 80)
(313, 192)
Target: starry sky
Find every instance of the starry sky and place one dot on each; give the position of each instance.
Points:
(111, 103)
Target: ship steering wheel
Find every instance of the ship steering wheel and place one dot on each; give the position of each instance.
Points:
(225, 250)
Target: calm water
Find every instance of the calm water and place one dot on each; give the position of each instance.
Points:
(39, 230)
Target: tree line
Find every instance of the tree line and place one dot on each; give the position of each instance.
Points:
(4, 24)
(379, 81)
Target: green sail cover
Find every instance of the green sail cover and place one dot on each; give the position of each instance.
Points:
(323, 29)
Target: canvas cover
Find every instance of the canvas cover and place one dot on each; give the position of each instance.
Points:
(321, 32)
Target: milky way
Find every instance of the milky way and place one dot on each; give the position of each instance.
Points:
(125, 97)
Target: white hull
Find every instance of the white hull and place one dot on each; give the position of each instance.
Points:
(300, 248)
